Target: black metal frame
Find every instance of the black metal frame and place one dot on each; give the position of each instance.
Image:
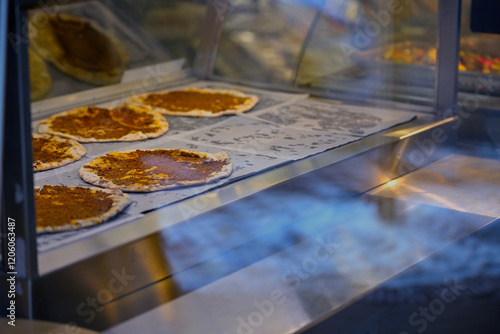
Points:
(448, 38)
(4, 6)
(17, 175)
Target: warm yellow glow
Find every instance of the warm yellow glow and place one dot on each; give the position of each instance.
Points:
(392, 183)
(426, 128)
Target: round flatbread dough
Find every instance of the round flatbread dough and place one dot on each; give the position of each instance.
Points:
(79, 47)
(196, 102)
(40, 81)
(63, 208)
(52, 151)
(156, 169)
(93, 124)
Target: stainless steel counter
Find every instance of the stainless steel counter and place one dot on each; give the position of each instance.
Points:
(331, 256)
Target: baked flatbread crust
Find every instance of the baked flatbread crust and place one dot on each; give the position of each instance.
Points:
(155, 169)
(80, 48)
(40, 80)
(196, 110)
(92, 124)
(63, 208)
(53, 151)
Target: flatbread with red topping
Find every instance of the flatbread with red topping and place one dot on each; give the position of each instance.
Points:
(155, 169)
(196, 102)
(63, 208)
(53, 151)
(93, 124)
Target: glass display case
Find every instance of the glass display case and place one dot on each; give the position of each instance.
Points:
(362, 195)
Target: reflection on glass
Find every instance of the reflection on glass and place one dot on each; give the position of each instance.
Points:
(479, 65)
(85, 45)
(360, 49)
(331, 45)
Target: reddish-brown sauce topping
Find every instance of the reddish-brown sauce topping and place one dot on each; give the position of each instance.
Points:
(46, 150)
(157, 167)
(60, 205)
(191, 100)
(132, 118)
(101, 123)
(83, 45)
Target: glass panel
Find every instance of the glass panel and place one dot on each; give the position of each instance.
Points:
(479, 76)
(262, 40)
(91, 44)
(356, 49)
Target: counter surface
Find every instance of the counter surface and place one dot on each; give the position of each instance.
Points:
(332, 255)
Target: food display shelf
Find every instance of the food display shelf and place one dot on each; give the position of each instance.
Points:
(282, 129)
(328, 200)
(363, 138)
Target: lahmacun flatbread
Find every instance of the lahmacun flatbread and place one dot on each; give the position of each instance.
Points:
(80, 48)
(63, 208)
(196, 102)
(93, 124)
(53, 151)
(155, 169)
